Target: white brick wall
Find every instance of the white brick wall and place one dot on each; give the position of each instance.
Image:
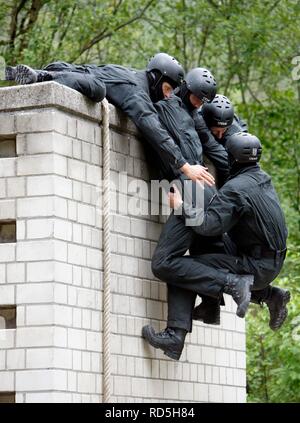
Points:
(54, 271)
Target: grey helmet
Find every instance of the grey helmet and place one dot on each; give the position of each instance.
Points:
(243, 147)
(168, 66)
(219, 113)
(202, 84)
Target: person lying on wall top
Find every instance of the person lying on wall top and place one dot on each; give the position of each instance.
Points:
(133, 91)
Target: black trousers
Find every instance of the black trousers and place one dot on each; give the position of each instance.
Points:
(203, 274)
(177, 239)
(83, 79)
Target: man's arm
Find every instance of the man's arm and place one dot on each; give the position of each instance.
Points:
(138, 106)
(223, 212)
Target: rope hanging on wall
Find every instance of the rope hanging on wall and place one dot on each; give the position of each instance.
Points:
(106, 253)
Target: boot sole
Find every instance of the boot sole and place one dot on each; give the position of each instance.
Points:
(147, 334)
(174, 356)
(243, 307)
(286, 300)
(25, 75)
(207, 321)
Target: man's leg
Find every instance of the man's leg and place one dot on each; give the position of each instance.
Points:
(168, 264)
(23, 74)
(76, 77)
(176, 238)
(88, 85)
(180, 308)
(192, 273)
(276, 298)
(209, 310)
(209, 274)
(264, 271)
(174, 241)
(171, 340)
(64, 67)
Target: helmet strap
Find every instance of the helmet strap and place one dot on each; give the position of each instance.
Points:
(156, 82)
(184, 94)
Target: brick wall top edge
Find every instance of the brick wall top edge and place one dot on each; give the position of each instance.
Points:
(52, 94)
(33, 96)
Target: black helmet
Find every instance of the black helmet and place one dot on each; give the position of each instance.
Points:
(202, 84)
(244, 147)
(218, 113)
(168, 66)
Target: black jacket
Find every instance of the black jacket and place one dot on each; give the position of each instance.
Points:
(180, 124)
(248, 209)
(128, 89)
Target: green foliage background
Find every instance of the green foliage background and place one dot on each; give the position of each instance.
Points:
(249, 46)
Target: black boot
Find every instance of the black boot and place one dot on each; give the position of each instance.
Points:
(208, 311)
(170, 340)
(238, 286)
(23, 74)
(276, 303)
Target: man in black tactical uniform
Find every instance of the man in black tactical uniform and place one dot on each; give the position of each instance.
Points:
(247, 208)
(133, 91)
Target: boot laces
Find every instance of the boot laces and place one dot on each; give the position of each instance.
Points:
(234, 291)
(166, 333)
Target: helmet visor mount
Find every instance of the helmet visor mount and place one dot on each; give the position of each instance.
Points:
(157, 81)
